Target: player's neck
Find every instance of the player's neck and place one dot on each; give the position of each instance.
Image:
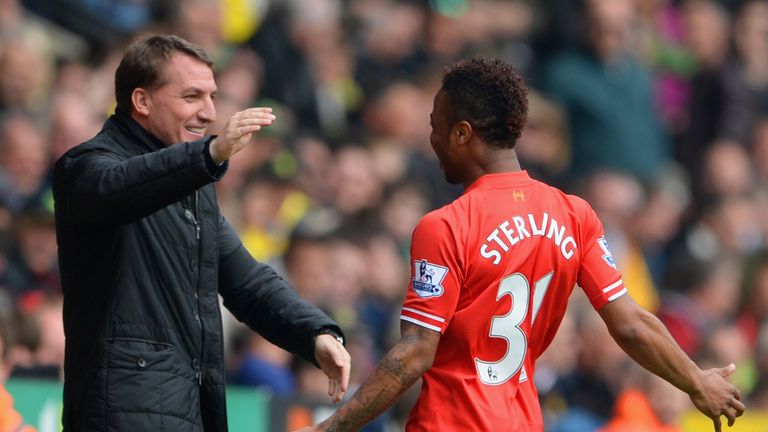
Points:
(501, 161)
(496, 161)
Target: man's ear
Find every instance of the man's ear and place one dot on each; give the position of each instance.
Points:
(462, 132)
(140, 101)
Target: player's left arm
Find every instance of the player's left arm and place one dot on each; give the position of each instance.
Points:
(405, 363)
(641, 335)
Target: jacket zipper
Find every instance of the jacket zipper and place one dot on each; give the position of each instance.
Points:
(195, 219)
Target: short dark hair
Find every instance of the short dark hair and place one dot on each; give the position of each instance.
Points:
(144, 61)
(490, 95)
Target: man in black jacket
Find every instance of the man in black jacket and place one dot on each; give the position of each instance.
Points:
(144, 254)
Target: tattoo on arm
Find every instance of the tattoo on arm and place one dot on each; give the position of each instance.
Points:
(393, 376)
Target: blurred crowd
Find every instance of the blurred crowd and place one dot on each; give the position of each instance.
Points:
(655, 111)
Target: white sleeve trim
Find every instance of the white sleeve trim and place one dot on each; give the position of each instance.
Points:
(416, 311)
(617, 295)
(420, 323)
(613, 285)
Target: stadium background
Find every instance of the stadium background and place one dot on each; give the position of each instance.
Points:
(656, 111)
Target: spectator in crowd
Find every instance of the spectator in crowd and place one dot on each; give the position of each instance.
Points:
(616, 197)
(591, 388)
(726, 172)
(24, 163)
(745, 80)
(10, 419)
(759, 396)
(707, 38)
(27, 73)
(607, 97)
(256, 362)
(649, 405)
(702, 292)
(753, 308)
(34, 260)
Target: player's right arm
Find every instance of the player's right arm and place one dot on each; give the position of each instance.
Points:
(405, 363)
(641, 335)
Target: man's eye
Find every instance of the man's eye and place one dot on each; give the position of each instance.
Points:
(190, 98)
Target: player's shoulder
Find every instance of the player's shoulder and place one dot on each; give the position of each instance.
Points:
(577, 206)
(578, 203)
(437, 219)
(569, 199)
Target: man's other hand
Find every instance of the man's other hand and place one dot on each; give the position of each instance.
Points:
(334, 360)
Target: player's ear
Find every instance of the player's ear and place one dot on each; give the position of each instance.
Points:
(462, 132)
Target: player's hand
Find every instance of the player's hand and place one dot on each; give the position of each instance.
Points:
(238, 131)
(718, 397)
(334, 360)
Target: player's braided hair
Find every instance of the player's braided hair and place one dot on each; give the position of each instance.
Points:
(490, 95)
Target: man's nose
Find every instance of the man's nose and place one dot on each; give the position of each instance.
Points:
(208, 112)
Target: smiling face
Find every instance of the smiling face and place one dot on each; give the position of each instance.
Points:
(181, 108)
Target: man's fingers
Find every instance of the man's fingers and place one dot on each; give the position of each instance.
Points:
(718, 424)
(335, 362)
(253, 115)
(256, 110)
(241, 124)
(241, 128)
(245, 130)
(334, 390)
(343, 361)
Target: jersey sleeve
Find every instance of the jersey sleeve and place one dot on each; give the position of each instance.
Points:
(433, 290)
(598, 275)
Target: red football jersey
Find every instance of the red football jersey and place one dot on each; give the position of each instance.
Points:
(492, 272)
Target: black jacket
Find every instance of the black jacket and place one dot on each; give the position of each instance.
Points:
(144, 254)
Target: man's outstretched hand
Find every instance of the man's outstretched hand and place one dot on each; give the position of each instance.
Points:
(334, 360)
(238, 131)
(718, 397)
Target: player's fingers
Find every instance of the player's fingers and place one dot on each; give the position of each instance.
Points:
(730, 414)
(726, 371)
(738, 406)
(718, 424)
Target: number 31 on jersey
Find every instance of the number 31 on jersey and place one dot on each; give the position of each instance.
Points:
(508, 327)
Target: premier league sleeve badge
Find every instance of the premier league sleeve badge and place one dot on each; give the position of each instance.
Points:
(427, 278)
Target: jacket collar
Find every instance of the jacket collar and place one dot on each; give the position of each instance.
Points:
(131, 128)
